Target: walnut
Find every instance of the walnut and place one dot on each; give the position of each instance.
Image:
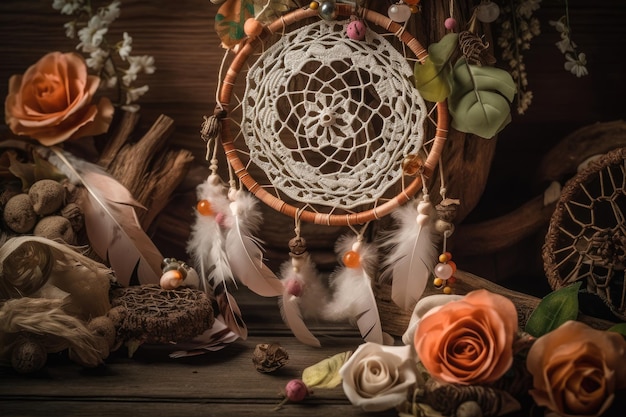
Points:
(56, 227)
(19, 215)
(268, 357)
(46, 196)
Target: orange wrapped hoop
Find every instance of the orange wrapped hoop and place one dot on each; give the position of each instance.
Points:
(350, 218)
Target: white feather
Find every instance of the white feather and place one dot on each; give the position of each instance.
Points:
(206, 241)
(294, 309)
(244, 252)
(412, 255)
(111, 222)
(353, 297)
(206, 247)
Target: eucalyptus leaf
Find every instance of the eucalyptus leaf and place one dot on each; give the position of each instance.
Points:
(325, 374)
(481, 98)
(433, 77)
(618, 328)
(553, 310)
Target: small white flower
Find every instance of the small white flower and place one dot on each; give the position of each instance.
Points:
(576, 64)
(527, 7)
(92, 35)
(111, 82)
(97, 59)
(565, 45)
(70, 29)
(126, 47)
(143, 63)
(133, 94)
(110, 13)
(559, 25)
(67, 6)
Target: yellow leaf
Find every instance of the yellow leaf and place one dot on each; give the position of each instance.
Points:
(325, 374)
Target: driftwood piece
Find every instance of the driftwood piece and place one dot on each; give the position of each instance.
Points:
(562, 161)
(148, 168)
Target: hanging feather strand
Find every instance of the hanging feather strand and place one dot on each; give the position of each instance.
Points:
(413, 252)
(302, 297)
(206, 247)
(244, 251)
(351, 286)
(110, 220)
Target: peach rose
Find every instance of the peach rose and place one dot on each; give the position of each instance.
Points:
(51, 102)
(468, 341)
(576, 369)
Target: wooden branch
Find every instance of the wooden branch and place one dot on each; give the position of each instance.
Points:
(149, 170)
(562, 161)
(502, 232)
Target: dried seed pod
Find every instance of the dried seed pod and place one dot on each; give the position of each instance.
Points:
(46, 196)
(28, 355)
(268, 357)
(19, 215)
(74, 214)
(56, 227)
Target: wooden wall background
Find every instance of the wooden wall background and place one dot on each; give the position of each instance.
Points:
(180, 35)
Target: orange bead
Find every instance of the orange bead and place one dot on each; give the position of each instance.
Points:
(451, 280)
(412, 2)
(314, 5)
(352, 259)
(204, 208)
(252, 27)
(453, 265)
(438, 282)
(412, 164)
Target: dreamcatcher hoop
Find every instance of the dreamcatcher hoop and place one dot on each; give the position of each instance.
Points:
(248, 47)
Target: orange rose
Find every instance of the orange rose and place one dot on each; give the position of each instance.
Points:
(576, 369)
(51, 102)
(469, 341)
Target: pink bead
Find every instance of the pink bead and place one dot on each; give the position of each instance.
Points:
(356, 30)
(296, 390)
(443, 271)
(450, 23)
(294, 287)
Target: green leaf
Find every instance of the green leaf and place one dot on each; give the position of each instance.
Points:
(618, 328)
(325, 374)
(433, 76)
(481, 98)
(554, 309)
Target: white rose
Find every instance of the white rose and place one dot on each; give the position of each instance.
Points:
(378, 377)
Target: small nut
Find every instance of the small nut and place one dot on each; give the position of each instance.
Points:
(268, 357)
(28, 355)
(54, 228)
(46, 196)
(19, 215)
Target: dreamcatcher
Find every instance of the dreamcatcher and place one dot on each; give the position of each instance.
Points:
(330, 130)
(586, 240)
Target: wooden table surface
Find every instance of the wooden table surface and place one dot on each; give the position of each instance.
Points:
(223, 383)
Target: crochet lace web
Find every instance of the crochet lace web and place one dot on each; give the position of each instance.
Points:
(329, 119)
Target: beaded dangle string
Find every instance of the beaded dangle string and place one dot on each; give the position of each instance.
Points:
(446, 211)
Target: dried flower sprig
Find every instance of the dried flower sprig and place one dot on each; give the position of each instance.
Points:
(91, 28)
(518, 28)
(575, 61)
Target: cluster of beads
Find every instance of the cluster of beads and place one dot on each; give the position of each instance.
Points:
(444, 273)
(352, 259)
(174, 273)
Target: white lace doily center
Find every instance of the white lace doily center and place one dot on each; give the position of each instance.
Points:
(330, 119)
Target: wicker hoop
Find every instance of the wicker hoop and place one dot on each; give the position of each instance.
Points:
(356, 218)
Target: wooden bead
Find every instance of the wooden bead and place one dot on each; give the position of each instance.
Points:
(252, 27)
(412, 164)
